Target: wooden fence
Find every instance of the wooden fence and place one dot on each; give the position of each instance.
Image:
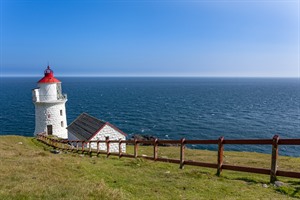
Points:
(273, 172)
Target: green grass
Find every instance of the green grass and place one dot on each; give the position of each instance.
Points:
(30, 171)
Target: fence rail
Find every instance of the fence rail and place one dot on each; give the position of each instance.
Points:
(273, 172)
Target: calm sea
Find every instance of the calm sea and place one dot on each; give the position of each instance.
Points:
(171, 108)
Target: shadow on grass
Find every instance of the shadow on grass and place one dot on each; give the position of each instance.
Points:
(247, 179)
(290, 191)
(293, 182)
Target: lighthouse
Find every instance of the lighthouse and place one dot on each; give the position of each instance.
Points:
(50, 106)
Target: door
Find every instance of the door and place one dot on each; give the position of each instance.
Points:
(49, 129)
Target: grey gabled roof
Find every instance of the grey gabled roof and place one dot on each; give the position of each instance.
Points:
(84, 127)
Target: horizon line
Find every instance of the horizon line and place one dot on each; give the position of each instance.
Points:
(143, 76)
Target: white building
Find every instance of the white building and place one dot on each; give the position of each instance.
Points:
(88, 128)
(50, 109)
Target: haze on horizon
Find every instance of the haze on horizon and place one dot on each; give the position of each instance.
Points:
(150, 38)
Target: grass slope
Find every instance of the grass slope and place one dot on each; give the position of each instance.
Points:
(29, 171)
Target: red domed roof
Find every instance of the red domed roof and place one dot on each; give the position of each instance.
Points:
(49, 78)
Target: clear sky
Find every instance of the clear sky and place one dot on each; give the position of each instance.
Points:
(150, 38)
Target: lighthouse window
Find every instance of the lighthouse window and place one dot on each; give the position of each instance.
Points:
(60, 112)
(62, 124)
(49, 115)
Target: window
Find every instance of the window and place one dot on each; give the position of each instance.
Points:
(61, 113)
(49, 116)
(62, 124)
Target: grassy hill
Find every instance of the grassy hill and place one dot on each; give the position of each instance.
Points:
(29, 171)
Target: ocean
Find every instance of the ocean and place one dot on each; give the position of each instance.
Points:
(170, 108)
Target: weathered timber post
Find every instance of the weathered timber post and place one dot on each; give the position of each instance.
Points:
(182, 148)
(90, 148)
(98, 149)
(69, 145)
(274, 159)
(220, 155)
(107, 146)
(120, 148)
(135, 148)
(155, 149)
(73, 145)
(82, 146)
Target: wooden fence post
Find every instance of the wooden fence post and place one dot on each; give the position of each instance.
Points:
(90, 148)
(274, 159)
(82, 146)
(220, 155)
(155, 149)
(135, 148)
(98, 149)
(120, 148)
(182, 148)
(107, 146)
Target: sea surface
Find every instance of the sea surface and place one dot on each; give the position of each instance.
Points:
(171, 108)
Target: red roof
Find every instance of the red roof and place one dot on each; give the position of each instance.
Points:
(49, 78)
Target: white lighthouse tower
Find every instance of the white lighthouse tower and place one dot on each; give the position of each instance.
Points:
(50, 109)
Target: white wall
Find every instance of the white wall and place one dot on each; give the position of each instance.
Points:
(35, 95)
(47, 91)
(113, 135)
(49, 114)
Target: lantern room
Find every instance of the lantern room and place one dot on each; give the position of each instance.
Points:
(49, 88)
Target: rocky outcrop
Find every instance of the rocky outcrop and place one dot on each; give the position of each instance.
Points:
(148, 138)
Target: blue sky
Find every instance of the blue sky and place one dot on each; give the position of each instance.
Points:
(150, 38)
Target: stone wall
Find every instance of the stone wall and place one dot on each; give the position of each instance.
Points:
(113, 135)
(49, 114)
